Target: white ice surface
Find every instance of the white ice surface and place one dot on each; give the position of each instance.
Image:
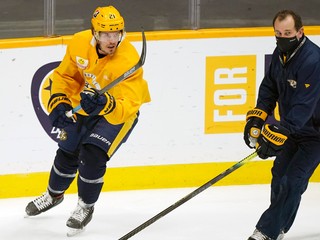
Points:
(217, 213)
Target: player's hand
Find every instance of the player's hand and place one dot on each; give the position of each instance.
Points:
(58, 105)
(271, 140)
(95, 104)
(255, 120)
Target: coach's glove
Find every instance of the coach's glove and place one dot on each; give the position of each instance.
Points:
(255, 120)
(271, 140)
(58, 105)
(95, 104)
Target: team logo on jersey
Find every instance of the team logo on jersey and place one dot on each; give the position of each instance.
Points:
(81, 62)
(40, 94)
(293, 83)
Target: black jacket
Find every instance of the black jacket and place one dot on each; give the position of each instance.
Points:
(295, 85)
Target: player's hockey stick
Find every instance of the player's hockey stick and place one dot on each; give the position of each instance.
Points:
(139, 64)
(125, 75)
(189, 196)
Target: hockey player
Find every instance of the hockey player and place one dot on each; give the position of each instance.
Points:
(93, 59)
(293, 80)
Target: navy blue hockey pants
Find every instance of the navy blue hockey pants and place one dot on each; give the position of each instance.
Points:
(90, 143)
(291, 172)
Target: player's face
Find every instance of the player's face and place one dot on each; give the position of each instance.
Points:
(286, 28)
(108, 41)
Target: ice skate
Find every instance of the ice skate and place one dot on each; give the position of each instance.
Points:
(43, 203)
(281, 236)
(79, 218)
(257, 235)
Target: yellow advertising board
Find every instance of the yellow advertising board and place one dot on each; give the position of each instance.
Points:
(230, 91)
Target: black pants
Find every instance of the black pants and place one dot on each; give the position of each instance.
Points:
(291, 172)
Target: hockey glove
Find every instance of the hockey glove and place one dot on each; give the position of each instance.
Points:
(271, 140)
(58, 105)
(95, 104)
(255, 120)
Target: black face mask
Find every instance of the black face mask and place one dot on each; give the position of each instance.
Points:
(287, 44)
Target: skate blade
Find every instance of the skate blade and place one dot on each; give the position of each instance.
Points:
(74, 231)
(26, 215)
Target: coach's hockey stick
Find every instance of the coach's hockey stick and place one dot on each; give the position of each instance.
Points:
(189, 196)
(139, 64)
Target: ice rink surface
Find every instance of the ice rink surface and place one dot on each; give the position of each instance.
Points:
(218, 213)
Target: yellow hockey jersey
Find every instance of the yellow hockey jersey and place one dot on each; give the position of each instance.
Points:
(82, 68)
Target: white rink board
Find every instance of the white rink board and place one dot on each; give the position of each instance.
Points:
(171, 127)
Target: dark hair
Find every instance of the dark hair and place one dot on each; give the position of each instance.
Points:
(284, 13)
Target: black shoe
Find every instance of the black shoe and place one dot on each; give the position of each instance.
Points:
(257, 235)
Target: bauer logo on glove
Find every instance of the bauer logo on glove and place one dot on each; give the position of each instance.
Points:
(271, 140)
(58, 105)
(94, 103)
(255, 120)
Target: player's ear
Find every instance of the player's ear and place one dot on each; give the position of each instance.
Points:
(300, 32)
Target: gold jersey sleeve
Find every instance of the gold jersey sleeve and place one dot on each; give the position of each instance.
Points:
(82, 68)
